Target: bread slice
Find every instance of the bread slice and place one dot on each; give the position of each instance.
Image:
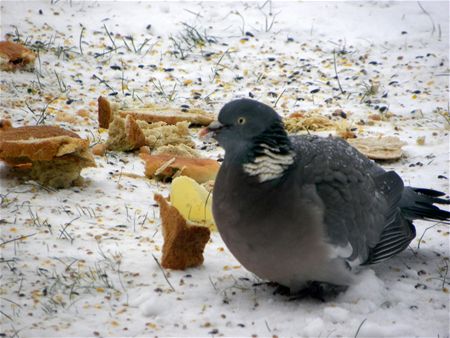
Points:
(14, 56)
(151, 114)
(166, 166)
(183, 242)
(55, 155)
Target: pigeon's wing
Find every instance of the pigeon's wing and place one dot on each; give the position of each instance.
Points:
(363, 223)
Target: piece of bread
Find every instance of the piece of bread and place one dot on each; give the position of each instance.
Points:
(105, 115)
(160, 134)
(151, 114)
(125, 135)
(99, 149)
(55, 155)
(165, 167)
(5, 124)
(14, 56)
(183, 242)
(379, 148)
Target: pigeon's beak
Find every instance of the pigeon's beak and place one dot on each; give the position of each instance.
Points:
(211, 130)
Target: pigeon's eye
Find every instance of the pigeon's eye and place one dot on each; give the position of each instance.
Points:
(241, 120)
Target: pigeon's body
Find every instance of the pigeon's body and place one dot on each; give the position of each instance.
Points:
(306, 208)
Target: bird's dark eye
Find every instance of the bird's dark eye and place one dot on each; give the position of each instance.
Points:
(241, 120)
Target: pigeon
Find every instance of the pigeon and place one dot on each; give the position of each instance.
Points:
(306, 209)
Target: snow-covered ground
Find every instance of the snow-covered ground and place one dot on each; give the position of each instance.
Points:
(85, 265)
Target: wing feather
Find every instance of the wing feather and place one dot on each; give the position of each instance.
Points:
(360, 199)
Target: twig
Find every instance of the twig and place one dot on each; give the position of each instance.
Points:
(445, 273)
(359, 327)
(62, 85)
(217, 65)
(198, 15)
(126, 44)
(16, 239)
(20, 286)
(212, 283)
(142, 46)
(81, 42)
(38, 79)
(336, 72)
(164, 274)
(6, 315)
(103, 82)
(429, 16)
(423, 234)
(110, 37)
(243, 22)
(279, 97)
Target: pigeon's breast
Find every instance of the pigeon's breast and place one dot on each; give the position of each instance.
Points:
(273, 231)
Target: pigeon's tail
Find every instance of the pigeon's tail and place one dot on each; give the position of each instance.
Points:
(418, 203)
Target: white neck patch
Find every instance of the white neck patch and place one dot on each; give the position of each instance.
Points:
(269, 165)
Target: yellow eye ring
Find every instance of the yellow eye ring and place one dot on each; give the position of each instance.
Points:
(241, 120)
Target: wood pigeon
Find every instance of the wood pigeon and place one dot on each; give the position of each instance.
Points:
(300, 209)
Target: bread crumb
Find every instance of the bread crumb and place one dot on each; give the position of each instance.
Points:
(99, 149)
(420, 140)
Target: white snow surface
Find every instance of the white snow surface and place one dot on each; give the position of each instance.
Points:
(87, 269)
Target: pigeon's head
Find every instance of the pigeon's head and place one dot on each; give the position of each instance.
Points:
(241, 121)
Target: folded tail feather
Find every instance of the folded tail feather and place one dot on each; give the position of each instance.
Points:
(418, 203)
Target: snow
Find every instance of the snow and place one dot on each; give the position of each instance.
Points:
(87, 268)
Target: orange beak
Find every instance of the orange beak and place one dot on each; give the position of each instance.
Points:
(210, 130)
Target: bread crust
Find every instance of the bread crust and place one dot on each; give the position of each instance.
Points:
(183, 243)
(14, 55)
(167, 166)
(39, 143)
(106, 113)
